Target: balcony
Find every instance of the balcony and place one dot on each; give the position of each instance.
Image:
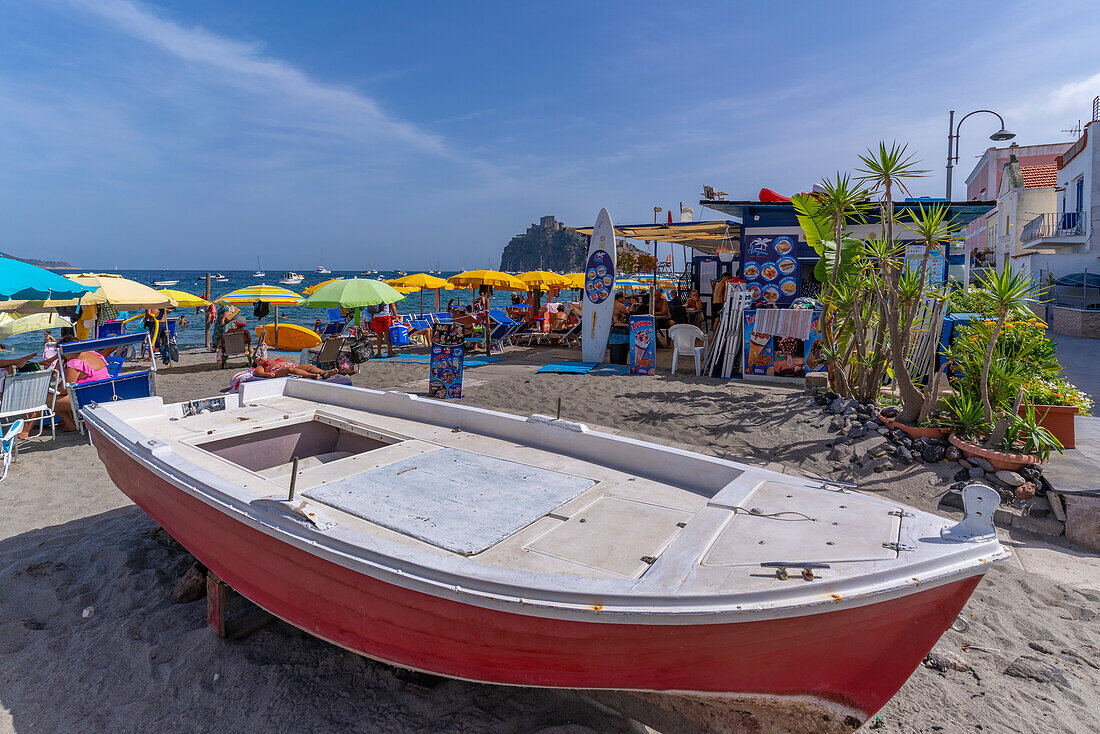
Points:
(1050, 231)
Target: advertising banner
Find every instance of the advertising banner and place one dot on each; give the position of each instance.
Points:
(642, 345)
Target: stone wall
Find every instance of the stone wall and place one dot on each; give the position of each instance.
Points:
(1075, 322)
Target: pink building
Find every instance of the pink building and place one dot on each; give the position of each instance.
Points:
(984, 183)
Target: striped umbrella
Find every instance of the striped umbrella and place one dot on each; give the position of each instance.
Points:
(272, 295)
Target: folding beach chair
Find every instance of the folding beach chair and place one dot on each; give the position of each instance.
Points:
(234, 345)
(30, 395)
(441, 318)
(328, 355)
(114, 364)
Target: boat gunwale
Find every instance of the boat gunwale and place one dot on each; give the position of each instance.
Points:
(615, 600)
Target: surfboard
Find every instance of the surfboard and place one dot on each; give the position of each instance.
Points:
(291, 337)
(599, 289)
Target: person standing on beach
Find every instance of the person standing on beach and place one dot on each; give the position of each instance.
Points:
(718, 298)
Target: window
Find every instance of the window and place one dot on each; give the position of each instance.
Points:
(1080, 195)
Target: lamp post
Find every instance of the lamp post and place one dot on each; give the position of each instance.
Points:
(653, 285)
(953, 140)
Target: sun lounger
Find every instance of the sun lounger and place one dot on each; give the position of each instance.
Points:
(121, 386)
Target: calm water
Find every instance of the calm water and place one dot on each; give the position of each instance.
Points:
(191, 282)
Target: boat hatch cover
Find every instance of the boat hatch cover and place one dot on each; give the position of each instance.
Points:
(456, 500)
(779, 522)
(616, 534)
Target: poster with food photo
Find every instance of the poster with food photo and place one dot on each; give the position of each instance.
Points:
(770, 268)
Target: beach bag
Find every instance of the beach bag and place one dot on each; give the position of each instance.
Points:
(360, 351)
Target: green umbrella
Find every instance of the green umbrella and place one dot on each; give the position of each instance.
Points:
(353, 293)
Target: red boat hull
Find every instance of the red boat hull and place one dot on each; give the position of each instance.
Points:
(856, 657)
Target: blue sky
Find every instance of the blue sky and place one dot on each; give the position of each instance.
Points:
(205, 134)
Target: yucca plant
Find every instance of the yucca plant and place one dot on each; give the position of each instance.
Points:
(886, 172)
(1025, 433)
(1004, 293)
(963, 412)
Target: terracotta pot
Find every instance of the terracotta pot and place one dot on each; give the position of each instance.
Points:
(914, 431)
(999, 459)
(1058, 419)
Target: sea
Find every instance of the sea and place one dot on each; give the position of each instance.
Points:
(192, 281)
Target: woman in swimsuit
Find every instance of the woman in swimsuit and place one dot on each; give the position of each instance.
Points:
(84, 367)
(279, 367)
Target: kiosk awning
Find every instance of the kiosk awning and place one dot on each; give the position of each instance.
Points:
(703, 236)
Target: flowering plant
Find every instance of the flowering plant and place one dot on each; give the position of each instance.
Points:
(1057, 391)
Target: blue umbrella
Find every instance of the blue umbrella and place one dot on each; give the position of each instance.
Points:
(20, 281)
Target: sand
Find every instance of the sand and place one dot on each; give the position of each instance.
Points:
(69, 541)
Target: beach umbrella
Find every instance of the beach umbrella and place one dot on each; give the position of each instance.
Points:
(185, 300)
(313, 288)
(272, 295)
(20, 281)
(123, 293)
(12, 323)
(492, 278)
(576, 281)
(540, 280)
(420, 282)
(353, 293)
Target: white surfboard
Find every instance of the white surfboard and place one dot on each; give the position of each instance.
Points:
(599, 289)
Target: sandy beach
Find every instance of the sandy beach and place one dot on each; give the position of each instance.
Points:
(90, 639)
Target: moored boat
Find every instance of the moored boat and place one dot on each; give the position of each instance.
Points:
(164, 283)
(291, 278)
(484, 546)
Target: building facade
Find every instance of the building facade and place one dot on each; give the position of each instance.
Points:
(984, 184)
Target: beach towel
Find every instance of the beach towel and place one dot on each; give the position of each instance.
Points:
(793, 322)
(568, 368)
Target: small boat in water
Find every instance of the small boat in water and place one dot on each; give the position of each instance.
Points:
(291, 278)
(259, 270)
(532, 551)
(165, 283)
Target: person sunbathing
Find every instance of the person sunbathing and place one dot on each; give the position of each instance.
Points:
(84, 367)
(280, 367)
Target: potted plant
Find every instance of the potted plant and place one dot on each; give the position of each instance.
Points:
(1024, 441)
(1056, 402)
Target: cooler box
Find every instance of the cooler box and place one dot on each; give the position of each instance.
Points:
(399, 335)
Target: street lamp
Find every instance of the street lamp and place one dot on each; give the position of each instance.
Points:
(953, 140)
(653, 285)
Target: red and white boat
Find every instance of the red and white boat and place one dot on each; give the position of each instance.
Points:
(489, 547)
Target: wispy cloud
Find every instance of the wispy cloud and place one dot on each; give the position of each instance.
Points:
(317, 105)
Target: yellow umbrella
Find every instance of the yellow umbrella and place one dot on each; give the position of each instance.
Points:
(492, 278)
(421, 281)
(313, 288)
(123, 293)
(185, 300)
(575, 280)
(543, 281)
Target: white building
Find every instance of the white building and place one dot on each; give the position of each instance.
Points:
(1025, 192)
(1062, 241)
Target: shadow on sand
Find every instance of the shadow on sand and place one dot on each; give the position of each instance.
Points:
(139, 663)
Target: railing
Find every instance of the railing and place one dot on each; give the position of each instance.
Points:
(1067, 224)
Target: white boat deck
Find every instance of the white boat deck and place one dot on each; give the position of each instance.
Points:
(538, 509)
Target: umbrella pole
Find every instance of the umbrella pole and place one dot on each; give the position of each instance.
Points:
(276, 337)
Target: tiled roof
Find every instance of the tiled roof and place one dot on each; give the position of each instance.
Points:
(1038, 177)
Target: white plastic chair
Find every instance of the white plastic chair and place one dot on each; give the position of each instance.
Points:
(8, 443)
(684, 337)
(27, 393)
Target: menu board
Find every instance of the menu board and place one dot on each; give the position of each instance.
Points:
(770, 268)
(935, 267)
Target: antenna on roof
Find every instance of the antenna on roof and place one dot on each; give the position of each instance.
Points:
(1076, 129)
